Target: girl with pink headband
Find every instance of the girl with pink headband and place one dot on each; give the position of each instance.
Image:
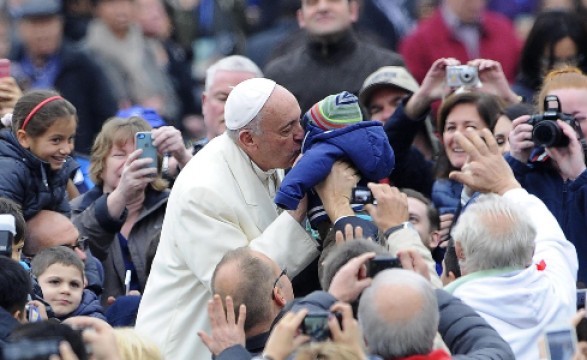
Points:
(34, 157)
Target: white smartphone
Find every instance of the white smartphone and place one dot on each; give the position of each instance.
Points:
(144, 141)
(561, 342)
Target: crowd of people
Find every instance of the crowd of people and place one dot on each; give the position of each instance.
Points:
(341, 193)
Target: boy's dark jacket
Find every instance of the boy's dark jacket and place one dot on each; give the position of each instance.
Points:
(364, 144)
(29, 181)
(89, 306)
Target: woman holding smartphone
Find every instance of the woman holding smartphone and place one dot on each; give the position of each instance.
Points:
(123, 214)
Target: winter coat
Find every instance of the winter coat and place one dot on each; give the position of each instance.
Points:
(318, 69)
(89, 306)
(364, 144)
(90, 215)
(29, 181)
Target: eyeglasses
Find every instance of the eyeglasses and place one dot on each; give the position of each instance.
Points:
(81, 244)
(283, 272)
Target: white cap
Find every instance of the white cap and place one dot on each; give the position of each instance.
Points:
(245, 101)
(7, 223)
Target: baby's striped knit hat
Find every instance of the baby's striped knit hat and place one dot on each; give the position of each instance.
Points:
(335, 111)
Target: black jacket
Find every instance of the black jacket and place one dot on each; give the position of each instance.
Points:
(81, 81)
(316, 70)
(7, 324)
(29, 181)
(412, 170)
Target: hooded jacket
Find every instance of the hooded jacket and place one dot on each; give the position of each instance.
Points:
(29, 181)
(89, 306)
(364, 144)
(567, 200)
(520, 303)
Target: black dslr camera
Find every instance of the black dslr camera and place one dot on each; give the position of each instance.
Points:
(546, 131)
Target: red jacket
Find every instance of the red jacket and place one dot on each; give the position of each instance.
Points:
(435, 355)
(432, 39)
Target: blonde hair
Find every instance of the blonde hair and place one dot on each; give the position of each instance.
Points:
(117, 131)
(327, 351)
(132, 346)
(567, 77)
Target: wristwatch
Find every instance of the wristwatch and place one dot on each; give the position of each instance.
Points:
(391, 230)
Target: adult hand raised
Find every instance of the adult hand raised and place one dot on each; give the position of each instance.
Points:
(392, 206)
(351, 279)
(226, 330)
(135, 175)
(168, 140)
(486, 170)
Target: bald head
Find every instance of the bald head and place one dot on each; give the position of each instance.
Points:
(248, 277)
(48, 229)
(399, 314)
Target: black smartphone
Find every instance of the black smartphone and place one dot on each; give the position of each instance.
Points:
(382, 262)
(581, 298)
(362, 195)
(315, 325)
(144, 141)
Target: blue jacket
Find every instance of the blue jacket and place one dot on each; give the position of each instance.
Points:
(7, 324)
(446, 195)
(89, 306)
(364, 144)
(29, 181)
(567, 200)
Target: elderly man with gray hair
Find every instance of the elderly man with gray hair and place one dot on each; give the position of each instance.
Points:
(519, 269)
(397, 327)
(222, 200)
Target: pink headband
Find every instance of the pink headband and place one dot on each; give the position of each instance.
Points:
(36, 108)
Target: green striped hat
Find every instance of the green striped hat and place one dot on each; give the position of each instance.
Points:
(336, 111)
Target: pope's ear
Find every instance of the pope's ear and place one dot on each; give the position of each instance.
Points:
(246, 138)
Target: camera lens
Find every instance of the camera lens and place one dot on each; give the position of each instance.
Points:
(549, 134)
(141, 136)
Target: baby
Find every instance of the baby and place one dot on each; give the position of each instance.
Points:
(60, 274)
(335, 130)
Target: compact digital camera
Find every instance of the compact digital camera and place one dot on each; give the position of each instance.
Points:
(545, 130)
(315, 325)
(462, 75)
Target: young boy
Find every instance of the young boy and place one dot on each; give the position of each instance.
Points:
(60, 274)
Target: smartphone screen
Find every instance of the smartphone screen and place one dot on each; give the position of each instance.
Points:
(561, 343)
(361, 195)
(4, 68)
(144, 141)
(316, 326)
